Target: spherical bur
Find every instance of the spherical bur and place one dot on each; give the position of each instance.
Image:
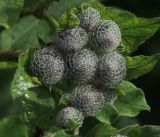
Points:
(89, 18)
(65, 115)
(72, 39)
(87, 99)
(106, 36)
(112, 68)
(83, 65)
(47, 65)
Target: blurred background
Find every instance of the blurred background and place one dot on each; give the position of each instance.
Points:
(149, 83)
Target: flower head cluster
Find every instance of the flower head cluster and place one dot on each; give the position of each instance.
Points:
(83, 65)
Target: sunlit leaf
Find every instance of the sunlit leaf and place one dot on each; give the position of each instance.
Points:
(140, 65)
(35, 102)
(132, 102)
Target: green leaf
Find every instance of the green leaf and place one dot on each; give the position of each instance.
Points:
(13, 127)
(102, 130)
(24, 34)
(56, 132)
(56, 10)
(64, 16)
(107, 115)
(137, 31)
(21, 81)
(123, 121)
(118, 15)
(9, 12)
(138, 131)
(74, 129)
(132, 102)
(65, 99)
(140, 65)
(38, 105)
(34, 101)
(69, 19)
(134, 30)
(8, 65)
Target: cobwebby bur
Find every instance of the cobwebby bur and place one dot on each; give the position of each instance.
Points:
(66, 114)
(72, 39)
(48, 65)
(87, 99)
(83, 65)
(112, 68)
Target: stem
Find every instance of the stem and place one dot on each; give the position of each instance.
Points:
(9, 55)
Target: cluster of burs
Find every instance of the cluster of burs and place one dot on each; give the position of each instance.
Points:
(88, 55)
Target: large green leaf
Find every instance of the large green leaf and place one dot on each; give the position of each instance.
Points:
(107, 115)
(134, 30)
(55, 132)
(24, 34)
(9, 12)
(38, 105)
(132, 101)
(101, 130)
(13, 127)
(137, 31)
(35, 101)
(140, 65)
(138, 131)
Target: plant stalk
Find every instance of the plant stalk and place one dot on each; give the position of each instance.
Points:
(9, 55)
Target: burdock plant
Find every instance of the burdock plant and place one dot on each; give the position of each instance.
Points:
(77, 84)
